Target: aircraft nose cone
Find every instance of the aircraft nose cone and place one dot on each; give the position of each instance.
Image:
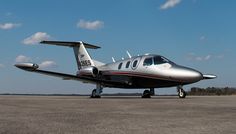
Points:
(193, 75)
(187, 74)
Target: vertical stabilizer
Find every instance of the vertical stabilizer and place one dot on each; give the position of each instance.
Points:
(82, 56)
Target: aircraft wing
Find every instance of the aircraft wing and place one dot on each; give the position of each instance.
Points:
(34, 68)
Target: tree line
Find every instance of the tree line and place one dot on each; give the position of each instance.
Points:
(212, 91)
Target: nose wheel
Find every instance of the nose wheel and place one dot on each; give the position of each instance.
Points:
(181, 92)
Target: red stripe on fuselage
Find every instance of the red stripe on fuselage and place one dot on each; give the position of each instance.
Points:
(137, 74)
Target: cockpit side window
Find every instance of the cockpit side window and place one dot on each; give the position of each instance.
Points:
(160, 60)
(120, 65)
(148, 61)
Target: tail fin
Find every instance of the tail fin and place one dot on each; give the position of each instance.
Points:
(81, 55)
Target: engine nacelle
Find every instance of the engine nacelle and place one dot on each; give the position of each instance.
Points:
(88, 71)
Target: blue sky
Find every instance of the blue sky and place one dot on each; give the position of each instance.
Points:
(196, 33)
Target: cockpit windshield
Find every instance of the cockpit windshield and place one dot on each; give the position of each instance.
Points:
(160, 60)
(156, 60)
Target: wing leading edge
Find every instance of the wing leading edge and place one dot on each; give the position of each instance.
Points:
(31, 67)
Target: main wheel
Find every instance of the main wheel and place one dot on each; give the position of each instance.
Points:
(146, 94)
(182, 94)
(93, 95)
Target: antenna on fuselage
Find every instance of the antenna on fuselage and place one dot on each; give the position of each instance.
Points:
(113, 59)
(128, 54)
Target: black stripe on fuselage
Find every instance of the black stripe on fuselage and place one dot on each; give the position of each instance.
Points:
(138, 74)
(139, 80)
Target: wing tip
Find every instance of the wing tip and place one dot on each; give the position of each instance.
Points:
(27, 66)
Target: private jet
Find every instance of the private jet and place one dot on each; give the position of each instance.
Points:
(147, 71)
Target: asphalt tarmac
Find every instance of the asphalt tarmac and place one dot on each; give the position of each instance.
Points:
(117, 115)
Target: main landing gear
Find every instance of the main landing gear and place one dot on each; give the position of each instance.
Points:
(148, 93)
(96, 93)
(181, 92)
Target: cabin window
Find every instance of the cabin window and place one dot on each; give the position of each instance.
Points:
(120, 65)
(160, 60)
(135, 63)
(148, 62)
(127, 64)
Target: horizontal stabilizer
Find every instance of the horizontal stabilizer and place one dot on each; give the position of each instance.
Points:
(70, 44)
(209, 76)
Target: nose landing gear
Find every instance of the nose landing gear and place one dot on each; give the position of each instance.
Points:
(181, 92)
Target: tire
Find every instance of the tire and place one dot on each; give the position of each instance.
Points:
(182, 94)
(146, 94)
(93, 95)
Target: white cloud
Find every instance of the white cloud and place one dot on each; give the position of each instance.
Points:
(8, 14)
(22, 58)
(194, 1)
(202, 38)
(36, 38)
(193, 57)
(90, 25)
(47, 64)
(221, 56)
(8, 26)
(170, 4)
(198, 58)
(2, 66)
(43, 64)
(208, 57)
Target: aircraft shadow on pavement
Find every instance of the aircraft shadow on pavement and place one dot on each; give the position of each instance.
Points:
(137, 97)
